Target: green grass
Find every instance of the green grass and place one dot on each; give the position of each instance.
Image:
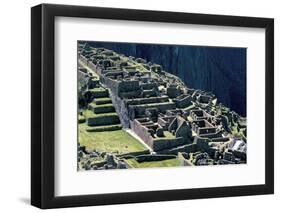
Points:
(167, 135)
(93, 104)
(99, 92)
(98, 89)
(89, 113)
(108, 141)
(150, 164)
(104, 128)
(102, 108)
(100, 101)
(81, 119)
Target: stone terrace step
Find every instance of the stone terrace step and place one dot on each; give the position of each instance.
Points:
(104, 128)
(100, 101)
(103, 119)
(103, 108)
(99, 92)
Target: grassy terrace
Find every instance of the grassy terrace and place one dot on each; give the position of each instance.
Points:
(102, 108)
(150, 164)
(108, 141)
(99, 92)
(104, 128)
(93, 104)
(89, 113)
(98, 89)
(100, 101)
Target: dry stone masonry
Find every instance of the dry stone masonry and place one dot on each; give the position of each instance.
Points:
(174, 121)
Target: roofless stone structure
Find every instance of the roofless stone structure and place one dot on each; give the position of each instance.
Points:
(156, 107)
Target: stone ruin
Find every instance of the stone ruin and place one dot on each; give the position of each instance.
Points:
(168, 116)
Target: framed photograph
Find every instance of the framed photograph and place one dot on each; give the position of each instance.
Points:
(139, 106)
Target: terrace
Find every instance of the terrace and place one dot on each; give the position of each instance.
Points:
(117, 141)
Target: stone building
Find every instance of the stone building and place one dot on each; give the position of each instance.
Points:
(160, 109)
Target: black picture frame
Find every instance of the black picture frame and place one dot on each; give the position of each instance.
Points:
(43, 102)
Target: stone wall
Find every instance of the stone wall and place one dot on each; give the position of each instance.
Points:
(112, 84)
(154, 157)
(131, 85)
(121, 109)
(83, 59)
(185, 148)
(147, 86)
(139, 110)
(165, 143)
(165, 121)
(203, 145)
(142, 132)
(183, 160)
(206, 130)
(133, 154)
(103, 120)
(183, 102)
(139, 101)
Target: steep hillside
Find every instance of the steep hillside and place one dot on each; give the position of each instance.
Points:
(219, 70)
